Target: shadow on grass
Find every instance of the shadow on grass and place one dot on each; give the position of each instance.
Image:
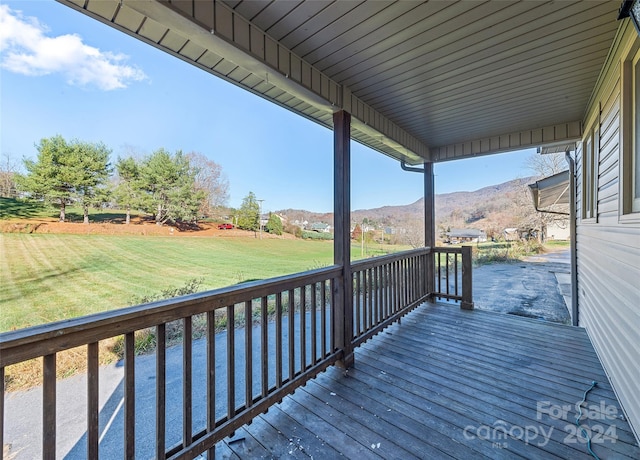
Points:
(11, 208)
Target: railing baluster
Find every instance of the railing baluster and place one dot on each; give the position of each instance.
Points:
(396, 298)
(92, 400)
(408, 274)
(248, 354)
(332, 330)
(438, 256)
(447, 274)
(231, 362)
(313, 329)
(278, 339)
(376, 277)
(161, 389)
(211, 378)
(49, 407)
(358, 296)
(264, 345)
(187, 378)
(365, 299)
(129, 395)
(455, 270)
(291, 341)
(323, 319)
(303, 328)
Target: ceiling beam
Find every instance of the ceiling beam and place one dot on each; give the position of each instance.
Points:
(563, 133)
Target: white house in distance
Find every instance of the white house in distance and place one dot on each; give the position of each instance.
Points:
(466, 235)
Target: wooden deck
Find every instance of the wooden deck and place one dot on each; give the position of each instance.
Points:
(449, 383)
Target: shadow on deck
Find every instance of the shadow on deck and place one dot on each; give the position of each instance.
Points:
(449, 383)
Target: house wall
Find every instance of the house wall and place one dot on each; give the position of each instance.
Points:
(557, 232)
(608, 244)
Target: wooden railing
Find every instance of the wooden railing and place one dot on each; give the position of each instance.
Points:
(259, 340)
(386, 288)
(453, 275)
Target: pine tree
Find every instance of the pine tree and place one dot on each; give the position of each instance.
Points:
(66, 172)
(274, 225)
(249, 213)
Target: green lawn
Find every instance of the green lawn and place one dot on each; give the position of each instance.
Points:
(49, 277)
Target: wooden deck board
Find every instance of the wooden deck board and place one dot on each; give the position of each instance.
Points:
(439, 384)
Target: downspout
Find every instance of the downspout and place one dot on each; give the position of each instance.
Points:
(572, 235)
(429, 220)
(404, 166)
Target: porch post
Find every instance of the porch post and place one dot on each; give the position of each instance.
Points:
(429, 224)
(343, 313)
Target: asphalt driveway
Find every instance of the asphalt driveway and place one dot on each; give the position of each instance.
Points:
(534, 288)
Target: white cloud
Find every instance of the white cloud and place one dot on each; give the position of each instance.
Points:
(26, 49)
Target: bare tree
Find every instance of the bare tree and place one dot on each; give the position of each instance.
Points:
(8, 170)
(210, 180)
(412, 233)
(528, 219)
(546, 165)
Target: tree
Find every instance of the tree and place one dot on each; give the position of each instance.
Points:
(128, 193)
(8, 170)
(210, 180)
(547, 164)
(274, 224)
(93, 169)
(356, 234)
(249, 213)
(169, 182)
(66, 172)
(528, 219)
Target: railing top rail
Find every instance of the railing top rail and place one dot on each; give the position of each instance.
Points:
(364, 264)
(16, 346)
(457, 249)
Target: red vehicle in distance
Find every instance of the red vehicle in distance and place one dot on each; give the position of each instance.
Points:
(225, 227)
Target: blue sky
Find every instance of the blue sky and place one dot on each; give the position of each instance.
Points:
(62, 72)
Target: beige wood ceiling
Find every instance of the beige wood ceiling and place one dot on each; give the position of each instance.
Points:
(432, 80)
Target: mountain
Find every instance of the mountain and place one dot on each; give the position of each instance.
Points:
(491, 209)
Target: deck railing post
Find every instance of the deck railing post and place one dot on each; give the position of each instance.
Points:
(467, 279)
(343, 319)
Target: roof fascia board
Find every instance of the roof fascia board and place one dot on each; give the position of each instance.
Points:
(229, 35)
(563, 133)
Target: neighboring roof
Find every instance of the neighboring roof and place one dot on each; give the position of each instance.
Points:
(432, 81)
(466, 233)
(551, 191)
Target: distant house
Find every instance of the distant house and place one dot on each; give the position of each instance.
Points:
(511, 234)
(555, 231)
(466, 235)
(320, 227)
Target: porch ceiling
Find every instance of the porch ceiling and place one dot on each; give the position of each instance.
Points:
(423, 80)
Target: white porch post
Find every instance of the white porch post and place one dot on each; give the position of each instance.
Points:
(343, 313)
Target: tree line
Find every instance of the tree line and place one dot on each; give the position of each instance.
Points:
(172, 187)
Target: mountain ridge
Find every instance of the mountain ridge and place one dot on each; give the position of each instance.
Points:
(490, 208)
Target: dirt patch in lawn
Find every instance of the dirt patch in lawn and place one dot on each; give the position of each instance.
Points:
(138, 226)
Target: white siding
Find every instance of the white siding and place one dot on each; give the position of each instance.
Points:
(609, 252)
